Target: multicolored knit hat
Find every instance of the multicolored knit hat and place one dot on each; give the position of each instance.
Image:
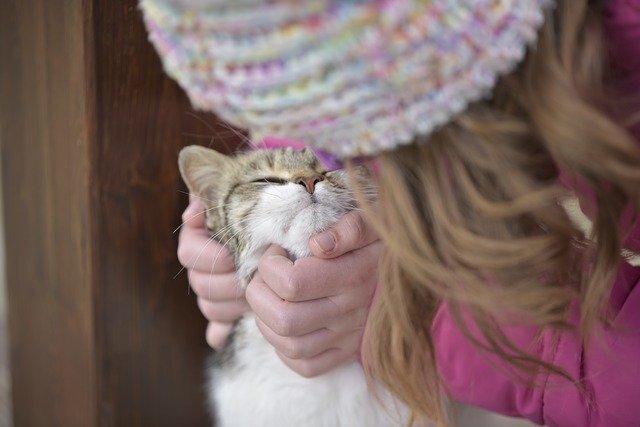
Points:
(349, 77)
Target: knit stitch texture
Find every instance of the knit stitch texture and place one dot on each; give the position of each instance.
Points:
(350, 78)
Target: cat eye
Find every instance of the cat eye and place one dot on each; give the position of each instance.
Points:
(270, 180)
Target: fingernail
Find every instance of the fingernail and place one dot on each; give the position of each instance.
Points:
(325, 241)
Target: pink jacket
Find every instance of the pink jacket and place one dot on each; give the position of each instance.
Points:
(609, 367)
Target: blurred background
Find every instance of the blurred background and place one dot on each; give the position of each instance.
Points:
(5, 379)
(104, 331)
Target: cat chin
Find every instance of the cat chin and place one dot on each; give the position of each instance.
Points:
(294, 236)
(313, 219)
(288, 216)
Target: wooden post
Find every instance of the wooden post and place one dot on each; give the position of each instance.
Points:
(102, 333)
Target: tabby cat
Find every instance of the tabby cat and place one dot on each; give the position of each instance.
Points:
(255, 199)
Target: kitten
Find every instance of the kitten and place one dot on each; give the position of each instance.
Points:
(254, 199)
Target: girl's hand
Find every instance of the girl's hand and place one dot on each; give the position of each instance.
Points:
(313, 311)
(211, 272)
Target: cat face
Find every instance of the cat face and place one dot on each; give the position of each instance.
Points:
(262, 197)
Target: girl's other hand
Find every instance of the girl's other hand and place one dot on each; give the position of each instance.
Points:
(211, 272)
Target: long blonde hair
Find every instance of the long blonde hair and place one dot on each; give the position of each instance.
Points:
(479, 202)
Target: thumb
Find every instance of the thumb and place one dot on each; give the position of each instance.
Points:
(348, 234)
(193, 215)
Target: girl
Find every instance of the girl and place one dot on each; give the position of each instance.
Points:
(486, 290)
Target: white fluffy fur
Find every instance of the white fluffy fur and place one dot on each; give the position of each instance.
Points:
(259, 390)
(265, 392)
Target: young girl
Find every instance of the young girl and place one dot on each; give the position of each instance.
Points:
(486, 291)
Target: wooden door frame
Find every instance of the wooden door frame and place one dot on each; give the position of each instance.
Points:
(102, 331)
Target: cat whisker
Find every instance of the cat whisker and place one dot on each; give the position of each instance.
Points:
(244, 220)
(201, 250)
(212, 208)
(271, 194)
(223, 245)
(211, 238)
(213, 131)
(196, 135)
(196, 196)
(243, 138)
(189, 219)
(220, 232)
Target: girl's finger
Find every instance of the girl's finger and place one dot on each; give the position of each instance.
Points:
(313, 278)
(225, 312)
(217, 334)
(320, 364)
(286, 318)
(216, 287)
(197, 251)
(350, 233)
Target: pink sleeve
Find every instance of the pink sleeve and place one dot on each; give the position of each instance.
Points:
(621, 20)
(622, 24)
(609, 369)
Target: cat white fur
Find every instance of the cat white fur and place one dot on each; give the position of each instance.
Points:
(337, 398)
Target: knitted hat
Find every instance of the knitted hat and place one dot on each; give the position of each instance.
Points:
(349, 77)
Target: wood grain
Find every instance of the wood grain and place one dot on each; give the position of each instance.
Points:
(104, 331)
(44, 164)
(150, 334)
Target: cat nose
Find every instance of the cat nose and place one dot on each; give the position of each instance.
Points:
(309, 182)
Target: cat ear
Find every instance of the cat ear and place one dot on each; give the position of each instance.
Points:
(201, 168)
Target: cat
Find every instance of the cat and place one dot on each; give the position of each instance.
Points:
(254, 199)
